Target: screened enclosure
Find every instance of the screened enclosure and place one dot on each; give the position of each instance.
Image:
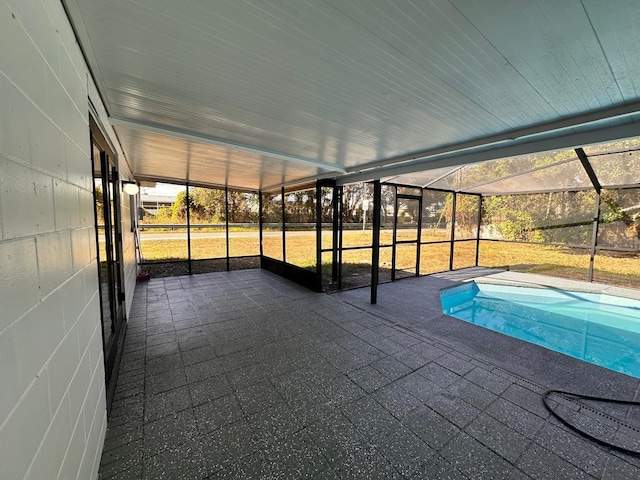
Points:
(185, 229)
(571, 213)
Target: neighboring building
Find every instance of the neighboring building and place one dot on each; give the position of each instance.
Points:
(153, 203)
(53, 407)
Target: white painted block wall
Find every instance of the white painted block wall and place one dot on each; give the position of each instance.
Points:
(52, 392)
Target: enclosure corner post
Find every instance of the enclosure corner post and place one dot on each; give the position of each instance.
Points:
(375, 254)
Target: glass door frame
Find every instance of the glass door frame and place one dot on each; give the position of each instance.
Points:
(114, 313)
(417, 198)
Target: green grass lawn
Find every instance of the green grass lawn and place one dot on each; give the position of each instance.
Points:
(300, 251)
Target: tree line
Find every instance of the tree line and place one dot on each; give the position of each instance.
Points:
(562, 215)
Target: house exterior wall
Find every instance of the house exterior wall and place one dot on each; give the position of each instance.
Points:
(52, 383)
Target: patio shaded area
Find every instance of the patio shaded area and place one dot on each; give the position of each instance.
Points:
(247, 375)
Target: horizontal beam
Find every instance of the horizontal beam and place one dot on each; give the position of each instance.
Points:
(182, 181)
(206, 140)
(297, 183)
(618, 112)
(451, 159)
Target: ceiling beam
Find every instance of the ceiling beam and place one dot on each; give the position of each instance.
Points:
(451, 159)
(182, 181)
(190, 137)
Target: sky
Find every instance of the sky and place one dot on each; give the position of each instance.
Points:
(164, 189)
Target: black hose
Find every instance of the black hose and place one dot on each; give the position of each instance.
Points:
(581, 432)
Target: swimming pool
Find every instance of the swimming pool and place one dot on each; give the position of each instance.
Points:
(597, 328)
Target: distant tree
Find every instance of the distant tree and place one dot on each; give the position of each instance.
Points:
(99, 203)
(207, 205)
(179, 208)
(271, 208)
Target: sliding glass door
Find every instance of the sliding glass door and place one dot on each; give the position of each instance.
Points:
(109, 242)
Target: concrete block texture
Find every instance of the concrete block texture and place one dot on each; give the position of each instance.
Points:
(52, 400)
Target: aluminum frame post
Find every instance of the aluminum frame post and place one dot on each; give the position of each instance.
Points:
(453, 229)
(418, 247)
(375, 252)
(284, 222)
(594, 236)
(260, 206)
(226, 217)
(480, 199)
(394, 246)
(318, 236)
(334, 236)
(588, 168)
(340, 230)
(189, 230)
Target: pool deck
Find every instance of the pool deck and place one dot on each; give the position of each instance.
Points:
(247, 375)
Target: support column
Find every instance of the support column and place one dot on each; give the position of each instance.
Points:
(480, 198)
(375, 254)
(189, 231)
(260, 223)
(284, 222)
(318, 236)
(453, 229)
(419, 244)
(395, 233)
(340, 230)
(226, 217)
(596, 220)
(335, 233)
(594, 237)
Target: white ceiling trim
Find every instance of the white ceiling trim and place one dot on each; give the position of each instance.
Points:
(512, 150)
(521, 135)
(220, 186)
(145, 127)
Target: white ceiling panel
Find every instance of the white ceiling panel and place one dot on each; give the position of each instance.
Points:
(350, 85)
(171, 159)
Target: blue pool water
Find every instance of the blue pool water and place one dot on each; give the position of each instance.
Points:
(597, 328)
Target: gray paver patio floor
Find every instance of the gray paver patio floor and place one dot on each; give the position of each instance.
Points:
(246, 375)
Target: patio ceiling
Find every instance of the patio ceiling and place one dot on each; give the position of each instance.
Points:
(258, 94)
